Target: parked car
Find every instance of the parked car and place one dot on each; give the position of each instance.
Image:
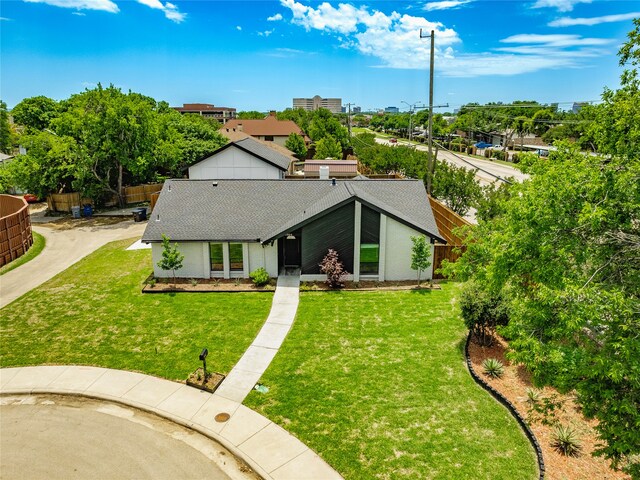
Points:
(482, 145)
(31, 198)
(393, 140)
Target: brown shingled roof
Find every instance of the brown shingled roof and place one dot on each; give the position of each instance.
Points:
(267, 126)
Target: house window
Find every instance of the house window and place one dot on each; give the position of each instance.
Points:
(369, 241)
(369, 257)
(215, 254)
(268, 138)
(235, 257)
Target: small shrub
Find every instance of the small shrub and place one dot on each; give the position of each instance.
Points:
(236, 282)
(515, 158)
(487, 153)
(259, 277)
(152, 282)
(333, 267)
(565, 440)
(533, 396)
(215, 281)
(493, 367)
(194, 282)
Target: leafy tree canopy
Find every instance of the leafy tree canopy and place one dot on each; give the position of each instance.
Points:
(295, 143)
(35, 113)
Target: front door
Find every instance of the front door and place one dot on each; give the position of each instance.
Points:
(292, 251)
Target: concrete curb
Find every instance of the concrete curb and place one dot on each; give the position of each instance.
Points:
(268, 449)
(509, 406)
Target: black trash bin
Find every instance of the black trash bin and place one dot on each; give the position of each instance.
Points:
(139, 214)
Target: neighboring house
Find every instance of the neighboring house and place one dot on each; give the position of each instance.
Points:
(221, 114)
(246, 158)
(229, 228)
(269, 129)
(334, 168)
(334, 105)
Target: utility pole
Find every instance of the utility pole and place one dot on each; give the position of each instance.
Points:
(349, 118)
(411, 110)
(431, 164)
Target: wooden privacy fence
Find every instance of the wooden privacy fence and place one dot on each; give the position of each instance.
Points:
(62, 202)
(15, 228)
(446, 220)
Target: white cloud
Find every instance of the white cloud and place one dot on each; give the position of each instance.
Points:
(560, 5)
(445, 5)
(239, 28)
(5, 19)
(568, 21)
(393, 39)
(170, 10)
(79, 14)
(556, 40)
(104, 5)
(274, 18)
(266, 33)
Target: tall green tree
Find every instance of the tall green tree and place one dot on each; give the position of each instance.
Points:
(457, 187)
(324, 124)
(35, 113)
(565, 252)
(117, 134)
(250, 115)
(327, 147)
(6, 132)
(295, 143)
(49, 166)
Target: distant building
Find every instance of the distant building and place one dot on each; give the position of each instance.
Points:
(577, 106)
(392, 110)
(269, 129)
(356, 110)
(334, 105)
(221, 114)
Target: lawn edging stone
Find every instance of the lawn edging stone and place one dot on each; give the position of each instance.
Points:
(509, 406)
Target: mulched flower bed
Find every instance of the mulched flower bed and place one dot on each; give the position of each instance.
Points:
(245, 285)
(513, 385)
(206, 285)
(210, 384)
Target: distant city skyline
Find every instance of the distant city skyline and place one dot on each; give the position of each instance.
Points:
(258, 55)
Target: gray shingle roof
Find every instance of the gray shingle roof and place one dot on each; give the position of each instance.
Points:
(258, 149)
(261, 210)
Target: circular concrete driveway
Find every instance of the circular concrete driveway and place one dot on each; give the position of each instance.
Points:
(47, 436)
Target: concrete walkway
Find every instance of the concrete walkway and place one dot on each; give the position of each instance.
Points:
(243, 377)
(270, 450)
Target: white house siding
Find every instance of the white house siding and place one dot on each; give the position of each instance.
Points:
(263, 256)
(233, 163)
(192, 265)
(196, 263)
(397, 255)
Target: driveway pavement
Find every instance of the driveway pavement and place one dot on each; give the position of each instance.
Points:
(66, 244)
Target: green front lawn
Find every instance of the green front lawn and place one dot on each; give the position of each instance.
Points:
(94, 314)
(375, 382)
(33, 252)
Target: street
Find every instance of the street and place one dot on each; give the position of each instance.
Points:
(487, 171)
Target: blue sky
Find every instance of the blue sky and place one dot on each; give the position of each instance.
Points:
(258, 55)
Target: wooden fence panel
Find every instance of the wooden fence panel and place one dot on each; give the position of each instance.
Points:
(447, 220)
(15, 228)
(448, 252)
(62, 202)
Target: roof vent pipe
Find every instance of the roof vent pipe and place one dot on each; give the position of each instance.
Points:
(333, 182)
(215, 184)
